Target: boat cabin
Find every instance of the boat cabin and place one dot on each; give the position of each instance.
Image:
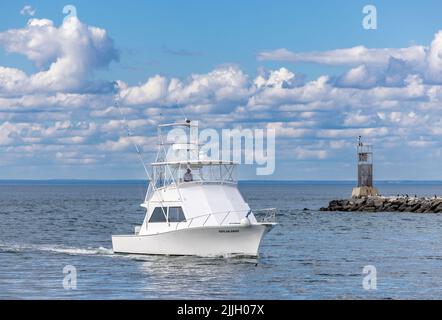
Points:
(187, 189)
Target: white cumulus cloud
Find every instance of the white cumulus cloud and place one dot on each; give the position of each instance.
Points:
(62, 115)
(373, 66)
(223, 84)
(348, 57)
(66, 56)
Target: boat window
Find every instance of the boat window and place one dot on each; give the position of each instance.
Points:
(176, 214)
(170, 174)
(158, 215)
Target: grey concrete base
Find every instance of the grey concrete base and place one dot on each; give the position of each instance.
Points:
(364, 192)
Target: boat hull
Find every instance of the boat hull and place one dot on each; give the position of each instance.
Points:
(204, 241)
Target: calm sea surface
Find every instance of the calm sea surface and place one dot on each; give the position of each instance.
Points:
(309, 255)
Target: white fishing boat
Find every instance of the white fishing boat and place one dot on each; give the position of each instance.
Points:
(193, 205)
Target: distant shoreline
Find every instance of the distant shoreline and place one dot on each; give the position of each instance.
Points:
(244, 182)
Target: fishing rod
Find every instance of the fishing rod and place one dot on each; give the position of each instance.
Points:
(130, 136)
(140, 156)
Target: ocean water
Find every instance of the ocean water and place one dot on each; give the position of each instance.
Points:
(45, 227)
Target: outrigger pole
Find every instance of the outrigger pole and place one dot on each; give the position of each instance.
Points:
(129, 134)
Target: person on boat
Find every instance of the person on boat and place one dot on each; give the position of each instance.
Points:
(188, 176)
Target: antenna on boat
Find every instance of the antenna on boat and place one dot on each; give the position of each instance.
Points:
(129, 134)
(182, 111)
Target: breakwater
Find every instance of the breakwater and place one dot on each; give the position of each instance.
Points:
(387, 204)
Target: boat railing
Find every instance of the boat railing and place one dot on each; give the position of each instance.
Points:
(267, 215)
(206, 217)
(205, 181)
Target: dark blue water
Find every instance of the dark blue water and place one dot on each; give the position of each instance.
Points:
(309, 255)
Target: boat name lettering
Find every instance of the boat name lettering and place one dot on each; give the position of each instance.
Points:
(228, 230)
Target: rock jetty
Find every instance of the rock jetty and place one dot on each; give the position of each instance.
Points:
(387, 204)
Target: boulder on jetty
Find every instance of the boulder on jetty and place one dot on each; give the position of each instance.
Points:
(387, 204)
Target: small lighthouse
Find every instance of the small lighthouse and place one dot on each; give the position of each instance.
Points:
(365, 186)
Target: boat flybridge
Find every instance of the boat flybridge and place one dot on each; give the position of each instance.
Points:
(193, 205)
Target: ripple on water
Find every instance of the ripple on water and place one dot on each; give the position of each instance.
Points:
(311, 254)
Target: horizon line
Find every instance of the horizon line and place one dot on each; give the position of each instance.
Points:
(241, 180)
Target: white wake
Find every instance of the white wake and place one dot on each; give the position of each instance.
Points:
(5, 247)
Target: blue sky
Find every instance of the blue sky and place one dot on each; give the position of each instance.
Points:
(56, 122)
(233, 31)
